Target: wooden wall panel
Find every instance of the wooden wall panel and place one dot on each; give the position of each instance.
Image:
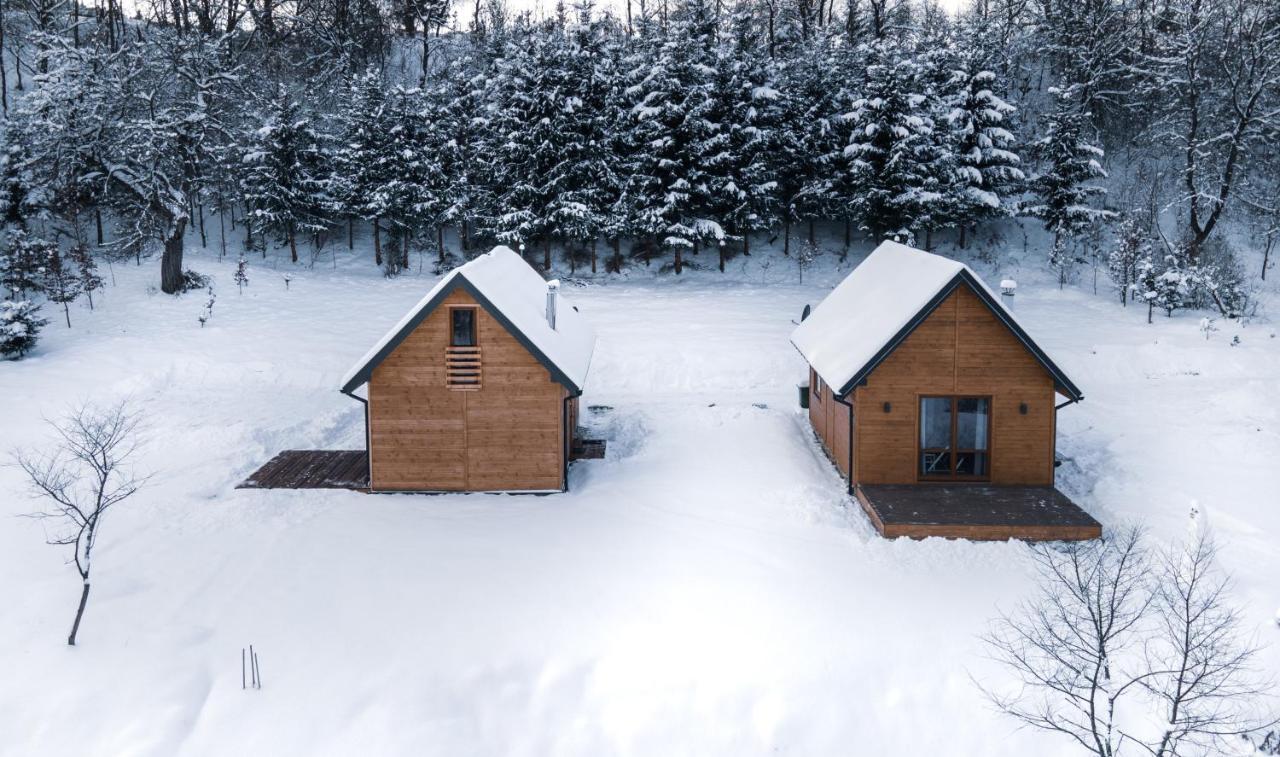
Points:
(507, 435)
(962, 348)
(830, 421)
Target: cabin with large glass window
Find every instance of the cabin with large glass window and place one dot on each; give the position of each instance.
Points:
(936, 405)
(477, 387)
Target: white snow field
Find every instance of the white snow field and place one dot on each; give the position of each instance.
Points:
(708, 589)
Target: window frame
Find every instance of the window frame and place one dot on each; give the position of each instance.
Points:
(816, 385)
(953, 451)
(475, 326)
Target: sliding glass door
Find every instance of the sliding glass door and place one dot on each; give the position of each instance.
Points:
(955, 437)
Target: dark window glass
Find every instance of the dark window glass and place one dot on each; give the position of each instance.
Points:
(971, 423)
(464, 327)
(935, 423)
(933, 463)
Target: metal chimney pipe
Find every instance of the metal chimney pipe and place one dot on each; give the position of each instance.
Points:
(1008, 288)
(553, 288)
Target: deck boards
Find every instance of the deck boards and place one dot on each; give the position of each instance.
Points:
(1034, 513)
(312, 469)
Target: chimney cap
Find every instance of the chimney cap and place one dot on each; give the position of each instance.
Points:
(553, 284)
(1008, 285)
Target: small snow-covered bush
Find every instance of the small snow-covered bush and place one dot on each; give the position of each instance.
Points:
(192, 280)
(20, 325)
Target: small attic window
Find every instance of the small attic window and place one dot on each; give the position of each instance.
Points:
(462, 331)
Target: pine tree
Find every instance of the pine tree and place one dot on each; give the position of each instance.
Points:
(893, 150)
(1132, 245)
(20, 325)
(743, 189)
(362, 161)
(1063, 189)
(672, 121)
(22, 263)
(59, 281)
(986, 168)
(242, 274)
(285, 180)
(86, 270)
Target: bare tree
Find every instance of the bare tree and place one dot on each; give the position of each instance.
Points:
(1066, 644)
(1117, 640)
(81, 478)
(1199, 667)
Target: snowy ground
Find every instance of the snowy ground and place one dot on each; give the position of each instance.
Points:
(707, 589)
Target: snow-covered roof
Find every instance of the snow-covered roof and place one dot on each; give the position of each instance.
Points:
(514, 294)
(881, 302)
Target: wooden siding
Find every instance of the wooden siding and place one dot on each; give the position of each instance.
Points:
(960, 349)
(830, 421)
(507, 435)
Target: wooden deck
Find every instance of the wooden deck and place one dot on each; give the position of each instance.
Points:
(1032, 513)
(312, 469)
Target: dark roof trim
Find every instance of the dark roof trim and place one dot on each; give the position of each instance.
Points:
(1061, 382)
(459, 281)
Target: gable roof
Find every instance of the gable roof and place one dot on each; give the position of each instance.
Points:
(877, 306)
(515, 295)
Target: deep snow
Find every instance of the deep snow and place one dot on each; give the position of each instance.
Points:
(706, 589)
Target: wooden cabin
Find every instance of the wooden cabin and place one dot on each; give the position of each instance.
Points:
(477, 387)
(935, 404)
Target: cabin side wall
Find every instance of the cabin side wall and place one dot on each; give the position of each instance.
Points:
(960, 349)
(506, 436)
(830, 421)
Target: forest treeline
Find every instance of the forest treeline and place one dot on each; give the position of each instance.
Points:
(650, 130)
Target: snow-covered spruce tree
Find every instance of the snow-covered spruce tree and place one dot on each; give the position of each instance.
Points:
(20, 325)
(584, 184)
(285, 178)
(895, 160)
(22, 263)
(534, 103)
(241, 276)
(1132, 244)
(59, 280)
(986, 169)
(671, 118)
(401, 199)
(1063, 186)
(744, 188)
(362, 161)
(808, 164)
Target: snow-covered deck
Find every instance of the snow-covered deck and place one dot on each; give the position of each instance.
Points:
(1031, 513)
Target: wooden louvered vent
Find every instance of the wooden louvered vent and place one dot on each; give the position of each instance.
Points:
(462, 368)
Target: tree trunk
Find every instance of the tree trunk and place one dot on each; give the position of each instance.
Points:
(848, 234)
(546, 253)
(746, 245)
(679, 259)
(97, 220)
(293, 245)
(377, 242)
(204, 241)
(75, 626)
(404, 253)
(440, 243)
(786, 236)
(722, 257)
(171, 261)
(351, 233)
(813, 239)
(593, 258)
(962, 240)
